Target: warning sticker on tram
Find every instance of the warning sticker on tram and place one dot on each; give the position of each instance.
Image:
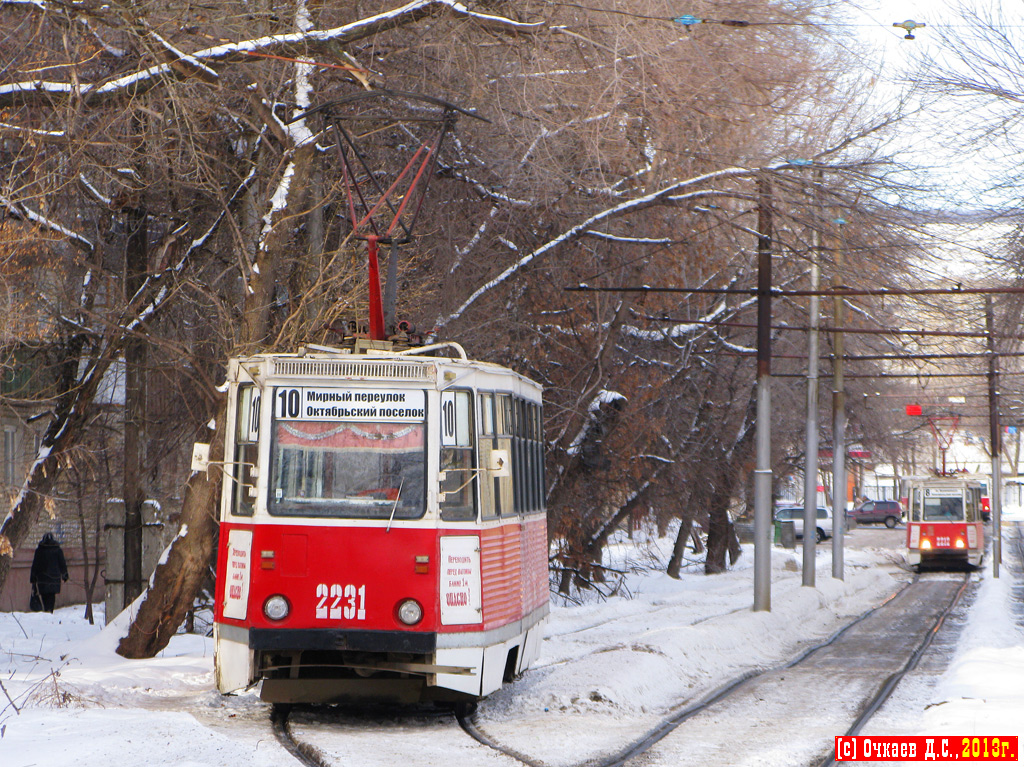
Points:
(926, 748)
(307, 403)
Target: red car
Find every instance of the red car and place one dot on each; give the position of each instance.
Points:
(889, 512)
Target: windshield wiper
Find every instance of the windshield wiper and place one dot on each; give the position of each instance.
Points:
(393, 508)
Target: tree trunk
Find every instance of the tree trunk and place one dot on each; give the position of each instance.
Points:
(675, 562)
(185, 563)
(719, 533)
(733, 542)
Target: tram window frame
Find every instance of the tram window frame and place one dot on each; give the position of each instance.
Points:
(245, 454)
(461, 457)
(537, 454)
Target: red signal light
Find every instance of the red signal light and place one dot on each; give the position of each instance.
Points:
(913, 410)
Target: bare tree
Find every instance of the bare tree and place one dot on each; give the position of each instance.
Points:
(617, 149)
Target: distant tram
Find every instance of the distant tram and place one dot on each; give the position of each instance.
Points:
(382, 529)
(944, 522)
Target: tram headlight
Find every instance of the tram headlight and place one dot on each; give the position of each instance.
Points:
(960, 543)
(410, 612)
(276, 608)
(925, 544)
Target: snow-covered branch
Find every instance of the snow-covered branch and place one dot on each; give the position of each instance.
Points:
(198, 62)
(52, 136)
(672, 193)
(21, 212)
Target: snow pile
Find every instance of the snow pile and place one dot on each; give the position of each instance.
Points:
(680, 638)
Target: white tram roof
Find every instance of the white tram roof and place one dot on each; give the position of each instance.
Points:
(957, 481)
(414, 365)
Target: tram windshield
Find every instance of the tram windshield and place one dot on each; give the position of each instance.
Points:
(943, 509)
(348, 469)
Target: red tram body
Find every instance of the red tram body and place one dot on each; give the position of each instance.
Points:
(383, 533)
(944, 522)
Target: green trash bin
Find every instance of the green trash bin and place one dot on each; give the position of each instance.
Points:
(785, 533)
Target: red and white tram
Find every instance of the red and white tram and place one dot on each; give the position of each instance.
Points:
(383, 532)
(944, 522)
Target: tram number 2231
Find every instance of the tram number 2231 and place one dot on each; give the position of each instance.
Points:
(335, 601)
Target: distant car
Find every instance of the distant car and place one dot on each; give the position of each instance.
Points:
(796, 513)
(889, 512)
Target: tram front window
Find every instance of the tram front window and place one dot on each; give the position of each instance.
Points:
(350, 469)
(943, 509)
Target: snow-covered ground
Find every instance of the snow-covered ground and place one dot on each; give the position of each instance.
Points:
(67, 698)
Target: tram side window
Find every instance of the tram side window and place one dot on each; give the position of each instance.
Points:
(487, 443)
(495, 427)
(527, 458)
(458, 450)
(973, 498)
(538, 453)
(504, 489)
(486, 415)
(513, 424)
(247, 425)
(519, 490)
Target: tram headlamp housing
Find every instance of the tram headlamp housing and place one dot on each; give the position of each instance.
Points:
(276, 608)
(410, 612)
(960, 543)
(925, 544)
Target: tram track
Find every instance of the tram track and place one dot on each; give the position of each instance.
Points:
(876, 701)
(676, 719)
(466, 719)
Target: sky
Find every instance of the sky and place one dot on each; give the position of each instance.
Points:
(608, 669)
(962, 176)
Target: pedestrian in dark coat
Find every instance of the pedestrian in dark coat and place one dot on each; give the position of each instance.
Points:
(48, 570)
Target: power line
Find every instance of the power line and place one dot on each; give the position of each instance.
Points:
(779, 292)
(832, 329)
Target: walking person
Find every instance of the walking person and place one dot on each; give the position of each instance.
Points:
(48, 570)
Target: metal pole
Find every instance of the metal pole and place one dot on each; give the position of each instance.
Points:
(838, 425)
(391, 290)
(811, 441)
(763, 471)
(376, 305)
(995, 492)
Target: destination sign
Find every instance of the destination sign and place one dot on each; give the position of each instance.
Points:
(308, 403)
(943, 492)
